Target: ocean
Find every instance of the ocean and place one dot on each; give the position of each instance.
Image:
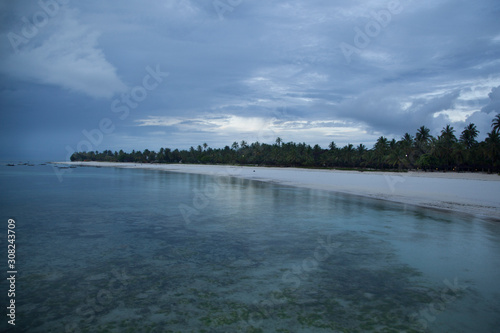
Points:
(130, 250)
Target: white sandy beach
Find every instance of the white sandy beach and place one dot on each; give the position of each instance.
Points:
(473, 193)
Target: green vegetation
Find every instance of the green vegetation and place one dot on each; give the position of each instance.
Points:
(422, 151)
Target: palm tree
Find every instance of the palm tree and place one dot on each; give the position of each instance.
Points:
(446, 146)
(380, 148)
(332, 156)
(396, 155)
(448, 134)
(407, 140)
(406, 145)
(348, 151)
(382, 144)
(278, 141)
(316, 152)
(423, 135)
(423, 140)
(493, 138)
(496, 123)
(361, 150)
(469, 135)
(492, 149)
(468, 149)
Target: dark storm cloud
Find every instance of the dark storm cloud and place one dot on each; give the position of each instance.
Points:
(247, 70)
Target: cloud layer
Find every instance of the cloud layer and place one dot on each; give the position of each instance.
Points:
(69, 58)
(314, 71)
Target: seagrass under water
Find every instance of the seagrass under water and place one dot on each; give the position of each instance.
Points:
(119, 250)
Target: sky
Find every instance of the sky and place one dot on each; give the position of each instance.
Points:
(97, 75)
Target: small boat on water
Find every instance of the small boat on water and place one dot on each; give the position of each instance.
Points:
(11, 164)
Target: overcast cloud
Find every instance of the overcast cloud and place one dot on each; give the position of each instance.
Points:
(177, 73)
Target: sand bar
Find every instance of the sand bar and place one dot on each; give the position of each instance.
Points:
(472, 193)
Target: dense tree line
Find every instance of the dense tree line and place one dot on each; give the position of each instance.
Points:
(421, 151)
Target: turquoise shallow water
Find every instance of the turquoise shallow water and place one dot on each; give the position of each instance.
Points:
(120, 250)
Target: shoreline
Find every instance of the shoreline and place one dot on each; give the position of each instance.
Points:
(471, 193)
